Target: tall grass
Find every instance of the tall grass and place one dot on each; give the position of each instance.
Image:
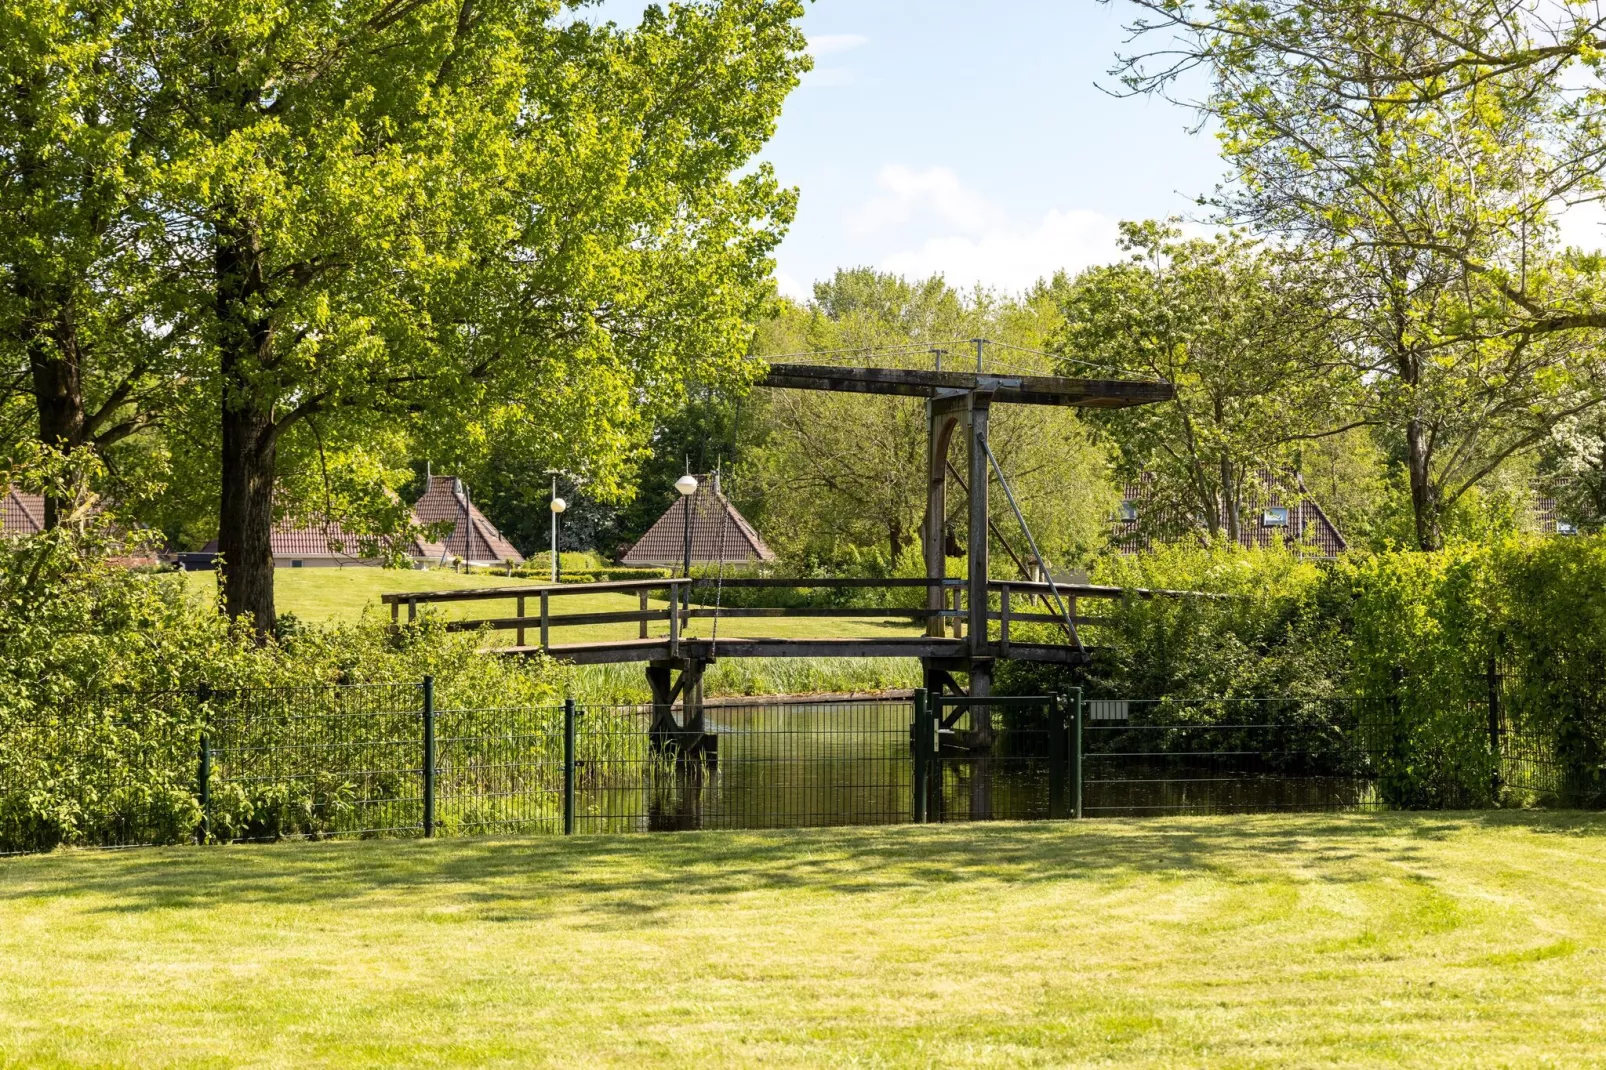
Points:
(753, 676)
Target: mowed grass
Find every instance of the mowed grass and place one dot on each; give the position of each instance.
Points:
(329, 595)
(1394, 939)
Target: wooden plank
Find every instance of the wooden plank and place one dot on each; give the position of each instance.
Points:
(631, 616)
(1087, 590)
(637, 650)
(1013, 389)
(554, 620)
(482, 593)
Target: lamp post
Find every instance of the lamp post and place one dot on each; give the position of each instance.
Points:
(687, 485)
(558, 506)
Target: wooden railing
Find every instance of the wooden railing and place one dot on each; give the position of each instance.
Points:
(680, 610)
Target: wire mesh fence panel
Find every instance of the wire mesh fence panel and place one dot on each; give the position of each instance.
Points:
(315, 762)
(499, 769)
(791, 765)
(116, 770)
(1550, 732)
(1228, 755)
(618, 772)
(996, 761)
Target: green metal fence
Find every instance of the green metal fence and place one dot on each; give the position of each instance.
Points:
(396, 760)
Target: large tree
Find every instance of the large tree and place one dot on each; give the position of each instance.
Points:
(467, 217)
(80, 312)
(1244, 336)
(1417, 154)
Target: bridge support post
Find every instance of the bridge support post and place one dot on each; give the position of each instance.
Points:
(940, 424)
(680, 679)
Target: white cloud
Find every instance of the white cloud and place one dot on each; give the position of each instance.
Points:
(1012, 258)
(935, 192)
(930, 222)
(789, 286)
(829, 44)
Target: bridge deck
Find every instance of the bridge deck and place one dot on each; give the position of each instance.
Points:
(661, 649)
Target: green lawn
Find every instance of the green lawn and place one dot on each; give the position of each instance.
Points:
(1396, 939)
(344, 594)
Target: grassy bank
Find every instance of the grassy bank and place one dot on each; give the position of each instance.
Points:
(1396, 939)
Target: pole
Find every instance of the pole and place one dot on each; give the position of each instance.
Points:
(568, 767)
(429, 756)
(921, 745)
(1494, 731)
(554, 532)
(686, 516)
(1058, 756)
(204, 831)
(1076, 755)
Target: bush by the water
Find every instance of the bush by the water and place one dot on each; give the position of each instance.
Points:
(1424, 641)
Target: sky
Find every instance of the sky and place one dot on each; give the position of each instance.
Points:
(970, 139)
(973, 139)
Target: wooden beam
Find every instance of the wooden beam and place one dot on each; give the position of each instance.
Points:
(1011, 389)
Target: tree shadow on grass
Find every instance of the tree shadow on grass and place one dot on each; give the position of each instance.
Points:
(631, 876)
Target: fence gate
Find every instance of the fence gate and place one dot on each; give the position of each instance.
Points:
(998, 758)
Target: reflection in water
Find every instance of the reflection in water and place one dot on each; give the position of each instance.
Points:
(838, 764)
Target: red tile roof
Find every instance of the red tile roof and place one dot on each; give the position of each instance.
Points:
(718, 532)
(326, 541)
(473, 538)
(1306, 520)
(22, 513)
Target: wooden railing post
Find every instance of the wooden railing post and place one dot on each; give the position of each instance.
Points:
(674, 621)
(521, 618)
(546, 619)
(643, 593)
(1003, 620)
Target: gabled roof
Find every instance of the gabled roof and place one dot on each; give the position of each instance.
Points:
(1306, 520)
(318, 541)
(473, 538)
(22, 513)
(718, 533)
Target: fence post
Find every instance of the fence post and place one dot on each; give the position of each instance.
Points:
(1076, 755)
(568, 767)
(1494, 732)
(204, 779)
(921, 745)
(429, 756)
(1058, 756)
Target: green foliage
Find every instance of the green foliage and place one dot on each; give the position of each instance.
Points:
(1415, 155)
(831, 476)
(1240, 331)
(99, 662)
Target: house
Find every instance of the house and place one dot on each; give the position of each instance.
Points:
(1274, 513)
(719, 533)
(473, 538)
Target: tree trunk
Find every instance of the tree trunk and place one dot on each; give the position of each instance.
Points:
(1231, 518)
(1424, 496)
(250, 439)
(245, 516)
(57, 388)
